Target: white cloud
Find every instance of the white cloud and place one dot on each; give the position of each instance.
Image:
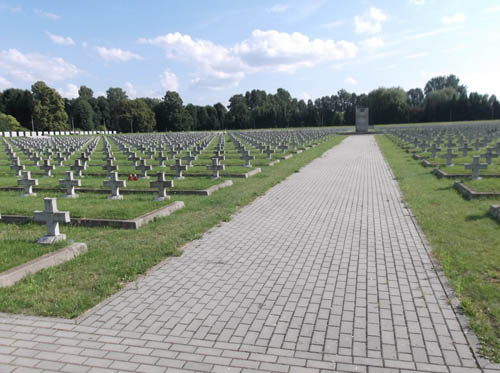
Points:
(84, 44)
(117, 55)
(280, 51)
(417, 2)
(457, 18)
(70, 91)
(169, 81)
(372, 43)
(278, 8)
(350, 80)
(60, 40)
(4, 83)
(494, 9)
(48, 15)
(12, 9)
(332, 25)
(370, 22)
(130, 89)
(30, 67)
(221, 67)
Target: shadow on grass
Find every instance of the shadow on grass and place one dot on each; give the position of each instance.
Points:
(477, 217)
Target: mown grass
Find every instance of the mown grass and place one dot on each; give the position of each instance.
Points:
(116, 257)
(465, 240)
(88, 205)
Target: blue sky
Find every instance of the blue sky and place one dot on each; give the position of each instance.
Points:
(210, 50)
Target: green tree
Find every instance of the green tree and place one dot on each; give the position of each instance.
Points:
(135, 116)
(439, 104)
(114, 96)
(388, 105)
(171, 114)
(19, 104)
(239, 114)
(85, 92)
(221, 113)
(9, 123)
(441, 82)
(83, 114)
(48, 110)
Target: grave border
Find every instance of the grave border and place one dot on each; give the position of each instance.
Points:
(52, 259)
(113, 223)
(469, 193)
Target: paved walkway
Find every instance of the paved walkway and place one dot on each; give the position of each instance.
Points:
(326, 272)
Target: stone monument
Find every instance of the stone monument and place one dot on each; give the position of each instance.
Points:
(362, 119)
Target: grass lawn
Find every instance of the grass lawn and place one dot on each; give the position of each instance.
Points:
(88, 205)
(484, 185)
(465, 240)
(116, 257)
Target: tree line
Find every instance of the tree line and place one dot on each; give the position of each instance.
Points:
(42, 109)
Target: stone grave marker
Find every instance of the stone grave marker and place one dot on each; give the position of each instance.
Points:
(115, 184)
(27, 182)
(161, 184)
(69, 183)
(51, 216)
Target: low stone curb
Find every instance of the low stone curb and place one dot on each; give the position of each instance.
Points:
(200, 192)
(114, 223)
(13, 275)
(204, 192)
(253, 172)
(469, 193)
(443, 174)
(274, 162)
(288, 156)
(494, 211)
(426, 163)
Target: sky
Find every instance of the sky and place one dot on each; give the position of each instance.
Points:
(210, 50)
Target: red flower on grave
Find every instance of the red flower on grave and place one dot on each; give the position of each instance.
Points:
(135, 177)
(129, 177)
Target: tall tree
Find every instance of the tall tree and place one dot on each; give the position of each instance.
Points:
(135, 116)
(115, 96)
(82, 114)
(48, 110)
(19, 104)
(171, 114)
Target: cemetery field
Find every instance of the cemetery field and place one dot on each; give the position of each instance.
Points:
(464, 239)
(116, 257)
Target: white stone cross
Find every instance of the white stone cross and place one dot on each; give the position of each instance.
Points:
(215, 167)
(27, 182)
(245, 156)
(144, 168)
(69, 183)
(17, 167)
(162, 184)
(47, 167)
(449, 157)
(269, 151)
(109, 166)
(115, 185)
(475, 166)
(489, 155)
(51, 217)
(434, 149)
(161, 159)
(178, 167)
(78, 167)
(189, 158)
(59, 159)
